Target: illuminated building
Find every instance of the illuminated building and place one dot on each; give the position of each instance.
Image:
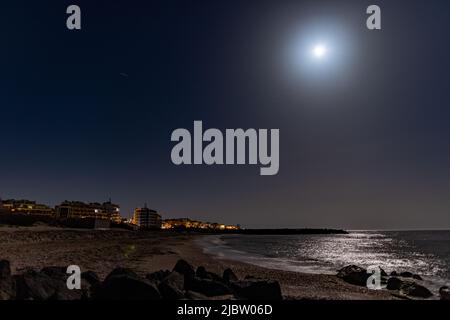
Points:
(81, 210)
(113, 210)
(147, 218)
(193, 224)
(25, 207)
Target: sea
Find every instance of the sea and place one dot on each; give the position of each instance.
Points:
(426, 253)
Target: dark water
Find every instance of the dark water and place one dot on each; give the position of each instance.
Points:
(423, 252)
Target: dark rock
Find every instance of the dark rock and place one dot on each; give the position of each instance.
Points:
(33, 285)
(5, 269)
(192, 295)
(413, 289)
(90, 277)
(354, 275)
(406, 274)
(126, 285)
(60, 275)
(122, 272)
(444, 292)
(57, 273)
(157, 276)
(172, 286)
(228, 275)
(394, 283)
(66, 294)
(207, 287)
(216, 277)
(202, 273)
(184, 268)
(257, 289)
(7, 282)
(417, 277)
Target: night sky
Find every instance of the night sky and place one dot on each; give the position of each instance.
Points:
(364, 138)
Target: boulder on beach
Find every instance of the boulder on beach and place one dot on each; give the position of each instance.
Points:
(172, 286)
(202, 273)
(7, 282)
(33, 285)
(257, 289)
(184, 268)
(444, 292)
(5, 269)
(406, 274)
(91, 278)
(122, 272)
(383, 273)
(394, 283)
(228, 275)
(192, 295)
(90, 281)
(354, 275)
(207, 287)
(417, 277)
(408, 287)
(158, 276)
(413, 289)
(55, 272)
(124, 284)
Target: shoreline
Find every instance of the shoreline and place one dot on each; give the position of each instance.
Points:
(294, 285)
(146, 252)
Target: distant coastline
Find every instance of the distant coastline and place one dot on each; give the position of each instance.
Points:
(290, 231)
(280, 231)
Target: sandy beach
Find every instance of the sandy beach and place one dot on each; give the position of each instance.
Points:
(146, 252)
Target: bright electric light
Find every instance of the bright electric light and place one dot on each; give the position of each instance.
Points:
(319, 51)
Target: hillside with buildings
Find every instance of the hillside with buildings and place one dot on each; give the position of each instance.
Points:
(96, 215)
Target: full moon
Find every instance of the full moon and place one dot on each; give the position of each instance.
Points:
(319, 50)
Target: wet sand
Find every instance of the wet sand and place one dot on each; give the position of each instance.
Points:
(145, 252)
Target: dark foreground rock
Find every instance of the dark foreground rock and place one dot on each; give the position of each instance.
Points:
(402, 282)
(208, 287)
(124, 284)
(184, 268)
(91, 277)
(409, 288)
(394, 283)
(444, 292)
(257, 289)
(183, 282)
(33, 285)
(413, 289)
(7, 282)
(158, 276)
(228, 275)
(406, 274)
(354, 275)
(204, 274)
(172, 286)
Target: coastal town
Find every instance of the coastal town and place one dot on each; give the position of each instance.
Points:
(98, 215)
